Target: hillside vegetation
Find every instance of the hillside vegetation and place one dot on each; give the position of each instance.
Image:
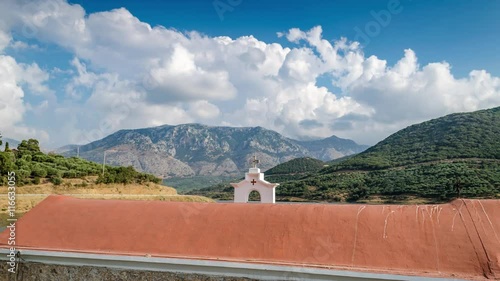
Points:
(454, 156)
(455, 136)
(31, 166)
(294, 169)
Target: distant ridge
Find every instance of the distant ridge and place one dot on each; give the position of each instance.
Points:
(70, 148)
(12, 143)
(195, 149)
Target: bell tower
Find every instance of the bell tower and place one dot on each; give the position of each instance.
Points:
(254, 181)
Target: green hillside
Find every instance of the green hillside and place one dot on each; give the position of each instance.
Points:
(31, 165)
(297, 165)
(294, 169)
(438, 160)
(455, 136)
(456, 155)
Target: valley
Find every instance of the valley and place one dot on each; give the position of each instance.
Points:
(436, 161)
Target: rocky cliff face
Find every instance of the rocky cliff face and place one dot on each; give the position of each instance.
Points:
(194, 149)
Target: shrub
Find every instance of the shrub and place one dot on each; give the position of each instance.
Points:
(70, 174)
(56, 180)
(22, 174)
(38, 171)
(53, 173)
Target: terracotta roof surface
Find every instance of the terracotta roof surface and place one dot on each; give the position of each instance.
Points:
(460, 239)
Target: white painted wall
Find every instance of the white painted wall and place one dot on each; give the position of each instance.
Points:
(254, 180)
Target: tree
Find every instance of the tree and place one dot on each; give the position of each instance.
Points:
(7, 149)
(6, 163)
(31, 145)
(28, 147)
(458, 187)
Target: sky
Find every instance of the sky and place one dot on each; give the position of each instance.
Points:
(72, 72)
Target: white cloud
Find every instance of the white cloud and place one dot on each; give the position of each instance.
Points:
(20, 45)
(203, 110)
(129, 74)
(12, 105)
(112, 103)
(294, 35)
(300, 65)
(400, 95)
(181, 79)
(82, 79)
(11, 99)
(36, 79)
(412, 93)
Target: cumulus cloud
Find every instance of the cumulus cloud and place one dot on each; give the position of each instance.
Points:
(36, 79)
(180, 79)
(11, 100)
(407, 91)
(399, 95)
(129, 74)
(12, 104)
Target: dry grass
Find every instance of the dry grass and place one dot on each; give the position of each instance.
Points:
(29, 196)
(404, 200)
(88, 186)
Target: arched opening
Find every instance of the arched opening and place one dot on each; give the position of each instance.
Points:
(254, 196)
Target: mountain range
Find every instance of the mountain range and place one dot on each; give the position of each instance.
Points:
(434, 161)
(199, 150)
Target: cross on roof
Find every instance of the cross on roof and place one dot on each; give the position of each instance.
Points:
(255, 161)
(253, 182)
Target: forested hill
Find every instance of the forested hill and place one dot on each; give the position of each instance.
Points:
(455, 136)
(294, 169)
(444, 158)
(31, 166)
(298, 165)
(457, 155)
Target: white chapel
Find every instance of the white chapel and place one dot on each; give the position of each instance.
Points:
(254, 181)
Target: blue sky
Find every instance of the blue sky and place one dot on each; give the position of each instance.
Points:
(94, 67)
(463, 33)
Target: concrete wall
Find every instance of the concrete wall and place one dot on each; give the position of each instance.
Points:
(39, 272)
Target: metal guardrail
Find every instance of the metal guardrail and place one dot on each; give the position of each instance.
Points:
(204, 267)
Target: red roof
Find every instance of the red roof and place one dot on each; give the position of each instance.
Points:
(460, 239)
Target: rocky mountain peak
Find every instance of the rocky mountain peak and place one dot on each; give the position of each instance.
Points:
(196, 149)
